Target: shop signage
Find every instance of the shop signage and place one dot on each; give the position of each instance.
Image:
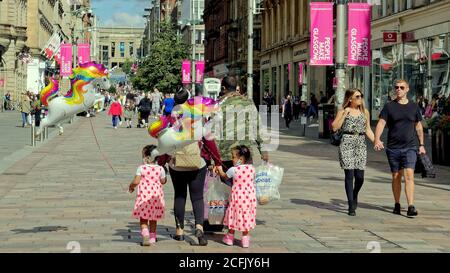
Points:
(300, 73)
(389, 37)
(66, 60)
(186, 71)
(84, 53)
(265, 62)
(52, 46)
(408, 37)
(300, 52)
(199, 71)
(321, 45)
(359, 52)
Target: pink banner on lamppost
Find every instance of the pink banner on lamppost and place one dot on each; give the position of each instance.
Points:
(359, 51)
(321, 45)
(66, 60)
(84, 53)
(186, 71)
(200, 69)
(300, 73)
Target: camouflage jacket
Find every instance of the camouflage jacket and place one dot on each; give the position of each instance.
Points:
(238, 115)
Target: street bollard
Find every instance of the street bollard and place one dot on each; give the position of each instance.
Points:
(33, 135)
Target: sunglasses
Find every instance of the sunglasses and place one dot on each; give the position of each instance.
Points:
(399, 87)
(359, 96)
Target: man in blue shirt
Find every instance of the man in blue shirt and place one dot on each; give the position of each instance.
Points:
(168, 104)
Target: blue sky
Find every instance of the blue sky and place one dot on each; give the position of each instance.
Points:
(123, 13)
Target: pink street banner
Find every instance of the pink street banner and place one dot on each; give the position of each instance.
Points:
(199, 71)
(84, 53)
(186, 71)
(66, 60)
(359, 52)
(321, 47)
(300, 73)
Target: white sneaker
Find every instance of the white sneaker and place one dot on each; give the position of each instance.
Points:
(115, 127)
(120, 122)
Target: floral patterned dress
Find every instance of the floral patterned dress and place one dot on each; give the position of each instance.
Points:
(150, 203)
(241, 212)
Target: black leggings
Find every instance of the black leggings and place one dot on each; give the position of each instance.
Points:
(352, 193)
(195, 180)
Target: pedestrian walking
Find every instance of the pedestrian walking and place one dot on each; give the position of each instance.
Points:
(145, 106)
(25, 108)
(296, 107)
(156, 102)
(403, 120)
(188, 169)
(287, 110)
(36, 110)
(354, 121)
(115, 111)
(129, 114)
(241, 211)
(168, 104)
(313, 107)
(149, 206)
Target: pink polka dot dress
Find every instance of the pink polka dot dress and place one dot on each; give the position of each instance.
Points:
(241, 212)
(150, 195)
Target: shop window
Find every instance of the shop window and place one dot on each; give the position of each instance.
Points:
(113, 49)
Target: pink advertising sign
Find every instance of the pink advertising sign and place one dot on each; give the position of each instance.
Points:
(199, 71)
(84, 53)
(186, 71)
(359, 52)
(66, 60)
(2, 82)
(321, 47)
(300, 73)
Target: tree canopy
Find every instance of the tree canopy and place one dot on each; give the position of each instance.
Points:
(162, 67)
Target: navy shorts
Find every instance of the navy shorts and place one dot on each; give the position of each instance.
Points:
(400, 159)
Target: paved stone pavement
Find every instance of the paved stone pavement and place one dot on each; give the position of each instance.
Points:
(73, 189)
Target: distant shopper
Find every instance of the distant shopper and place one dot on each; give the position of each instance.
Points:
(115, 111)
(403, 119)
(354, 121)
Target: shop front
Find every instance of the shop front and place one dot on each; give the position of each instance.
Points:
(421, 57)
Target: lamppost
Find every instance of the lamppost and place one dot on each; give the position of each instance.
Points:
(340, 50)
(192, 22)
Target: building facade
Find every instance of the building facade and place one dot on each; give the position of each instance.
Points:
(238, 43)
(216, 21)
(420, 54)
(192, 13)
(116, 45)
(13, 35)
(45, 19)
(285, 47)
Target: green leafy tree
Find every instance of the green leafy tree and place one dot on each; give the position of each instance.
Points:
(162, 67)
(126, 67)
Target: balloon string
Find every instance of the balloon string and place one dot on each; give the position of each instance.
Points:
(105, 158)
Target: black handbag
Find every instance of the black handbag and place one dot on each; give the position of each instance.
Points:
(336, 137)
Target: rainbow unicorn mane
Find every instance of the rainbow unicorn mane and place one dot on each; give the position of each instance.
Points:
(49, 92)
(82, 76)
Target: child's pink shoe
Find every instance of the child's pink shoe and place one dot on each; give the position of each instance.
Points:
(152, 238)
(245, 241)
(228, 239)
(145, 237)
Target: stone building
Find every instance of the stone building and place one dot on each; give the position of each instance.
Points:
(45, 19)
(117, 44)
(216, 20)
(13, 50)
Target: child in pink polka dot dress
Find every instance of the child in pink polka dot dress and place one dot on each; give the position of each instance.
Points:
(241, 212)
(149, 205)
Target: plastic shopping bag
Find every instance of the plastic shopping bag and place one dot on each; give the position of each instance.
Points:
(218, 196)
(268, 179)
(210, 179)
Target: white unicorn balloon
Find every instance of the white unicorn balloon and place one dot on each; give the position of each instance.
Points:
(80, 97)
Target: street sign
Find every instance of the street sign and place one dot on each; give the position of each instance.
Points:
(389, 37)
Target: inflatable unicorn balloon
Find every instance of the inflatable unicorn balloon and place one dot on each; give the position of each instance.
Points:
(80, 97)
(187, 129)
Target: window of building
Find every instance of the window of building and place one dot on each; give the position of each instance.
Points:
(131, 49)
(113, 49)
(105, 54)
(257, 39)
(122, 49)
